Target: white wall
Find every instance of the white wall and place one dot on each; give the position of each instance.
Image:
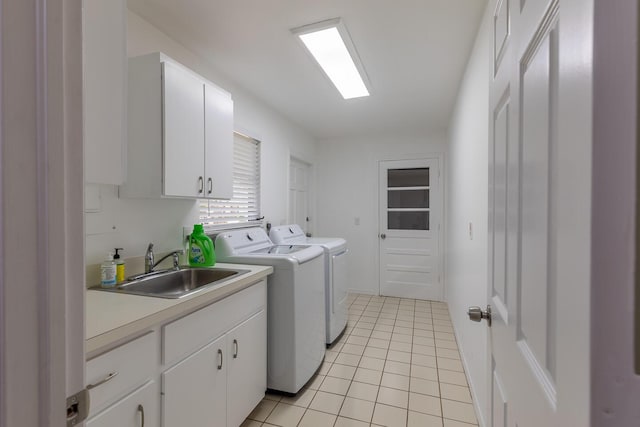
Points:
(348, 192)
(467, 192)
(133, 223)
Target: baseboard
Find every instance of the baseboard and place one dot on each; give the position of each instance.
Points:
(362, 291)
(472, 387)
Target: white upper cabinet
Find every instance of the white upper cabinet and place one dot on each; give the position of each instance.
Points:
(218, 150)
(183, 126)
(105, 90)
(180, 133)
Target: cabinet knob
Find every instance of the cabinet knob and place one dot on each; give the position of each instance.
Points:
(200, 185)
(235, 349)
(220, 359)
(210, 185)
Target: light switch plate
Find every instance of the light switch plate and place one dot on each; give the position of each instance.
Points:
(92, 199)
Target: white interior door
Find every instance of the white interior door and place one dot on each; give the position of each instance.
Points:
(527, 200)
(299, 174)
(410, 203)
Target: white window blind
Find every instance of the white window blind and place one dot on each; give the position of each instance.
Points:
(244, 207)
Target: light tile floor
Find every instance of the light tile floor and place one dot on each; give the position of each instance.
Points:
(397, 364)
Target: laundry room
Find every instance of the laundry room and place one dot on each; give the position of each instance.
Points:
(303, 213)
(313, 166)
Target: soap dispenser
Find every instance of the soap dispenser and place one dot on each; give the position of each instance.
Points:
(108, 272)
(119, 265)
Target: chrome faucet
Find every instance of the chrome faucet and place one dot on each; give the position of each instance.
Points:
(149, 261)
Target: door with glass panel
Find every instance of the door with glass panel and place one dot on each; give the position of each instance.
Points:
(409, 229)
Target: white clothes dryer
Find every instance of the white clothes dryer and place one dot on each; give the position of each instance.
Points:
(295, 303)
(335, 273)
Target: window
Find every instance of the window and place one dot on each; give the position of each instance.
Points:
(245, 204)
(408, 199)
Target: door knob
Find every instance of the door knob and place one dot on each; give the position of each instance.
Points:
(477, 314)
(383, 236)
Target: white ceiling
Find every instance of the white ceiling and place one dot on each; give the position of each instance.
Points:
(414, 52)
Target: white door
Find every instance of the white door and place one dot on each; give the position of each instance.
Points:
(299, 173)
(538, 220)
(409, 229)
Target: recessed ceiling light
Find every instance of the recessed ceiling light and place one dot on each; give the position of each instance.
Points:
(329, 43)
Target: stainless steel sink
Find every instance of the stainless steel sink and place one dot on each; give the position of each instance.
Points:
(176, 283)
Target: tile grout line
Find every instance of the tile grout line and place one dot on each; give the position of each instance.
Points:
(433, 328)
(380, 304)
(384, 365)
(379, 385)
(357, 367)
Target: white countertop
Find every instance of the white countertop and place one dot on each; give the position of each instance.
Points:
(112, 317)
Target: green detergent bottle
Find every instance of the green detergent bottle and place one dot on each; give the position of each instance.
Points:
(201, 253)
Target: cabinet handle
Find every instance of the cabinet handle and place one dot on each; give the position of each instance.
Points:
(200, 185)
(235, 349)
(141, 410)
(210, 183)
(109, 377)
(220, 355)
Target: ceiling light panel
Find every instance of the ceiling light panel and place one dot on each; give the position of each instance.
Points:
(330, 45)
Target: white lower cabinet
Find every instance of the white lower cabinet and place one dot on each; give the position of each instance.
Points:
(247, 367)
(207, 368)
(115, 374)
(220, 384)
(195, 390)
(138, 409)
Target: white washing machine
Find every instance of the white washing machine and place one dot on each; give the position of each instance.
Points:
(335, 272)
(295, 303)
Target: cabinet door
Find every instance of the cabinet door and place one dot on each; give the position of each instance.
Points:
(218, 143)
(105, 92)
(131, 410)
(183, 127)
(194, 391)
(247, 376)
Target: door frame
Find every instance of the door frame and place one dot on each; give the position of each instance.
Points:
(42, 281)
(615, 279)
(310, 190)
(440, 159)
